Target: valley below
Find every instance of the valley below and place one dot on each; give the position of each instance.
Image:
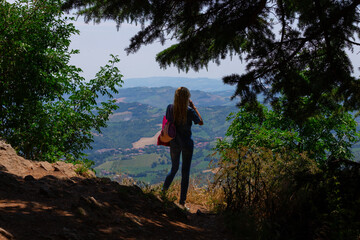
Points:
(127, 147)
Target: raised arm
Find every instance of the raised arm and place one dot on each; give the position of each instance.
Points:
(191, 104)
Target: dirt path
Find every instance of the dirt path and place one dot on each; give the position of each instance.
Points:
(77, 208)
(51, 201)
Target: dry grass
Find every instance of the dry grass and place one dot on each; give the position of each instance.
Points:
(209, 197)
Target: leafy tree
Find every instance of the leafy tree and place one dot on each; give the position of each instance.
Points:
(321, 137)
(275, 176)
(279, 40)
(296, 55)
(47, 110)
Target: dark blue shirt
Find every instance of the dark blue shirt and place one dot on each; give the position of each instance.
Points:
(183, 131)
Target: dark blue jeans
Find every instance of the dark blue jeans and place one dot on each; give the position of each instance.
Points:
(175, 151)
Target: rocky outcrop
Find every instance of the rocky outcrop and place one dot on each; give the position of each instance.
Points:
(12, 163)
(40, 200)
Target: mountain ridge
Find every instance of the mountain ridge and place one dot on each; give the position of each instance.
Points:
(162, 96)
(132, 129)
(204, 84)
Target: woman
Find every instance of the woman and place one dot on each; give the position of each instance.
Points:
(182, 113)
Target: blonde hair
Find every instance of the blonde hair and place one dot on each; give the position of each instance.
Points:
(181, 104)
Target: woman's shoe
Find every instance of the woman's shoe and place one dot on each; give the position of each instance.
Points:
(183, 206)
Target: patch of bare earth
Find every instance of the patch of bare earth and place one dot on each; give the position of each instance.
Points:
(120, 100)
(146, 141)
(50, 201)
(124, 116)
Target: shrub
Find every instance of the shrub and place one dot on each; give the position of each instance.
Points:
(277, 180)
(261, 185)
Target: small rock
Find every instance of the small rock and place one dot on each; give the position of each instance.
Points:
(49, 178)
(48, 192)
(69, 182)
(81, 211)
(105, 180)
(3, 168)
(93, 202)
(47, 166)
(90, 174)
(199, 213)
(89, 181)
(65, 168)
(6, 234)
(29, 178)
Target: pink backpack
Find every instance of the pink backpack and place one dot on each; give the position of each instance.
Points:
(168, 132)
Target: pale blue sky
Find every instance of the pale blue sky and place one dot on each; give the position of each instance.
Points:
(97, 41)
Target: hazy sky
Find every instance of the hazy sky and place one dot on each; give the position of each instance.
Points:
(97, 42)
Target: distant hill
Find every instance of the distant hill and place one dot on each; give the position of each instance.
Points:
(133, 121)
(203, 84)
(128, 144)
(162, 96)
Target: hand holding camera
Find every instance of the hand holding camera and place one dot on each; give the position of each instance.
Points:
(191, 104)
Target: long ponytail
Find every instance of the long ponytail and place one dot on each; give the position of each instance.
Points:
(181, 104)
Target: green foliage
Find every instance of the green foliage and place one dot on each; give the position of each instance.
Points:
(278, 39)
(83, 168)
(329, 135)
(293, 48)
(281, 175)
(253, 177)
(47, 110)
(267, 192)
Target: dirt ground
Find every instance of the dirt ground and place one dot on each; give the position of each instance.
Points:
(145, 141)
(50, 201)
